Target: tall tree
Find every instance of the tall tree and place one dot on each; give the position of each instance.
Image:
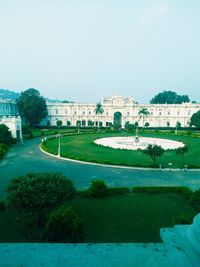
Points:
(99, 111)
(169, 97)
(143, 113)
(195, 119)
(32, 107)
(154, 151)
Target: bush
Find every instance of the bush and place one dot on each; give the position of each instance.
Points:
(64, 226)
(27, 132)
(5, 135)
(180, 190)
(36, 193)
(2, 204)
(110, 191)
(196, 199)
(184, 219)
(117, 190)
(39, 190)
(98, 188)
(3, 150)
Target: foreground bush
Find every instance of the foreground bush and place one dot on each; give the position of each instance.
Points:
(36, 193)
(2, 204)
(98, 188)
(181, 190)
(64, 226)
(3, 150)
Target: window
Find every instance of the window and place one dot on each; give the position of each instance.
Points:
(75, 112)
(89, 112)
(65, 111)
(160, 113)
(83, 112)
(168, 113)
(128, 113)
(56, 111)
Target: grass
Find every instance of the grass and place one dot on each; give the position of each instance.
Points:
(82, 147)
(123, 218)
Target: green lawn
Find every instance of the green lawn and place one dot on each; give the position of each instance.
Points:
(82, 147)
(123, 218)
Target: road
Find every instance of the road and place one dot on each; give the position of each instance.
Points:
(25, 158)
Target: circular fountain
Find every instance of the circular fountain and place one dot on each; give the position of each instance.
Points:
(135, 143)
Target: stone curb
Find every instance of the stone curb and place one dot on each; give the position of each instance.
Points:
(114, 166)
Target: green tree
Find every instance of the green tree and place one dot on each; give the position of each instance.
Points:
(178, 125)
(130, 126)
(143, 113)
(169, 97)
(5, 135)
(98, 188)
(63, 225)
(195, 119)
(59, 123)
(37, 193)
(182, 151)
(99, 111)
(32, 107)
(154, 151)
(68, 123)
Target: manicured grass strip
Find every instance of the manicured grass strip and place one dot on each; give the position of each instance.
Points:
(130, 217)
(82, 147)
(123, 218)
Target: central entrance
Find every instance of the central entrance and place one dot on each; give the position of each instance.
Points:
(118, 118)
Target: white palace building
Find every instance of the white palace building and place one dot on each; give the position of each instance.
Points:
(121, 110)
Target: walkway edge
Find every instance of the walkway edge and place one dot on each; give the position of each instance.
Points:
(110, 166)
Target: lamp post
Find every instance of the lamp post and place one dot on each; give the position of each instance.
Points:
(78, 124)
(59, 144)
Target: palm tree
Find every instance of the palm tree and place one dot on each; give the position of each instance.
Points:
(143, 113)
(98, 111)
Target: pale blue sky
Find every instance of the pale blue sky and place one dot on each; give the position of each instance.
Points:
(82, 50)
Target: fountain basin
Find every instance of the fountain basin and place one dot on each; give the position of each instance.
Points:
(131, 143)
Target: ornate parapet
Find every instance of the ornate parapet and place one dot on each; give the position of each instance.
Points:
(193, 234)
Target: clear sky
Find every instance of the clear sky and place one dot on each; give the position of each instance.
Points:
(83, 50)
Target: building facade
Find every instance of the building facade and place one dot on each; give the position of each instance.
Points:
(9, 116)
(121, 110)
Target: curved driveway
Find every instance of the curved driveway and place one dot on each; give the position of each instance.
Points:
(26, 157)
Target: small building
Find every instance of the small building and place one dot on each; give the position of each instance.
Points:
(9, 116)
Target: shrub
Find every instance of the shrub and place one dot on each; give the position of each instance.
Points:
(27, 132)
(184, 219)
(98, 188)
(181, 190)
(118, 190)
(64, 226)
(35, 193)
(110, 191)
(3, 149)
(196, 199)
(5, 135)
(2, 204)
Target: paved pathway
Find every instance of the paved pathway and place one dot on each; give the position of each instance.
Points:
(26, 157)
